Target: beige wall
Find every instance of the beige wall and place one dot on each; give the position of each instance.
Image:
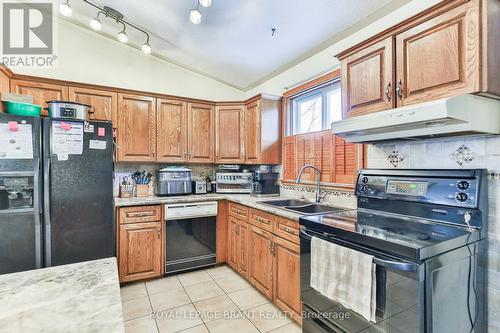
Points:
(325, 60)
(87, 57)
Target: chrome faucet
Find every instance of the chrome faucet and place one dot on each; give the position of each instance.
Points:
(318, 178)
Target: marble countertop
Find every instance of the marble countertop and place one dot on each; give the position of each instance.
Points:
(82, 297)
(244, 199)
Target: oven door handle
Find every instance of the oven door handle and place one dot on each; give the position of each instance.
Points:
(402, 266)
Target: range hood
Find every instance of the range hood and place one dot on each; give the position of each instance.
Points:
(458, 115)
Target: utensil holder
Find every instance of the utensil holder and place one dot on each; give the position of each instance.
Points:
(126, 191)
(142, 190)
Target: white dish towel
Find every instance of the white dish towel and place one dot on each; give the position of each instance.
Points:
(345, 276)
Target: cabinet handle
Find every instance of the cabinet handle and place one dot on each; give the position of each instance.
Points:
(270, 246)
(273, 248)
(142, 214)
(388, 90)
(399, 91)
(158, 232)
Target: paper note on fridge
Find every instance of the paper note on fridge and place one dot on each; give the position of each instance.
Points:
(67, 138)
(97, 144)
(16, 144)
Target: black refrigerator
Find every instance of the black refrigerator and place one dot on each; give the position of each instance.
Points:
(56, 193)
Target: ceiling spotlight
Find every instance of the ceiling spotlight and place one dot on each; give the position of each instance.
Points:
(122, 36)
(195, 16)
(96, 24)
(65, 9)
(205, 3)
(146, 48)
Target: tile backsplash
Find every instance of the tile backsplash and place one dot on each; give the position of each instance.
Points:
(456, 153)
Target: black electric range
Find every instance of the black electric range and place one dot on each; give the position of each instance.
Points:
(426, 230)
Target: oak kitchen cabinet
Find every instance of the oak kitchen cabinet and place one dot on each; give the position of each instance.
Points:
(41, 91)
(172, 136)
(367, 80)
(272, 254)
(262, 130)
(439, 57)
(448, 50)
(201, 133)
(238, 238)
(230, 134)
(136, 133)
(140, 242)
(104, 103)
(261, 260)
(286, 276)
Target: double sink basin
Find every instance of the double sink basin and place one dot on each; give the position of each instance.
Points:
(301, 206)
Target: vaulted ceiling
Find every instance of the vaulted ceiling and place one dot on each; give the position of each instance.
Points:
(234, 42)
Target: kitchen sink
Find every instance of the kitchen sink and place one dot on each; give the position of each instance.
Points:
(312, 209)
(285, 203)
(301, 206)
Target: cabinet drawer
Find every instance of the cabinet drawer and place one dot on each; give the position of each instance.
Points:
(262, 220)
(238, 211)
(140, 214)
(287, 229)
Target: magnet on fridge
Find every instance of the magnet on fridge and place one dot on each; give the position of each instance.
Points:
(65, 126)
(101, 131)
(13, 126)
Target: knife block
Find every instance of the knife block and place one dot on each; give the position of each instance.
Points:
(142, 190)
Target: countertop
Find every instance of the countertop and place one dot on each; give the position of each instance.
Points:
(244, 199)
(82, 297)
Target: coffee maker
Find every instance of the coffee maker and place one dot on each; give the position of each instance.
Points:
(265, 182)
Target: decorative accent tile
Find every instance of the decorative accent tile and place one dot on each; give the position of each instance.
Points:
(307, 189)
(463, 155)
(395, 158)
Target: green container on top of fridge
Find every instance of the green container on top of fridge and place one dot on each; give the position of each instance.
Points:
(22, 109)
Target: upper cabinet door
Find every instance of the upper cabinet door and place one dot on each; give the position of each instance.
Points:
(41, 92)
(104, 103)
(136, 139)
(440, 57)
(229, 134)
(200, 133)
(367, 80)
(171, 137)
(253, 133)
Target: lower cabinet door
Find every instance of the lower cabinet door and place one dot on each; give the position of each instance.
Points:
(261, 260)
(232, 243)
(286, 276)
(243, 248)
(140, 251)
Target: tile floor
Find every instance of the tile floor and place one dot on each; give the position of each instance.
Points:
(216, 300)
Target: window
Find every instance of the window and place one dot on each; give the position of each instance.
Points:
(315, 109)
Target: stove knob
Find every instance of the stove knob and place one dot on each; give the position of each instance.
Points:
(463, 185)
(363, 188)
(462, 197)
(365, 180)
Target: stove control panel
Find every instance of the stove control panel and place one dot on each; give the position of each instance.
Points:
(426, 188)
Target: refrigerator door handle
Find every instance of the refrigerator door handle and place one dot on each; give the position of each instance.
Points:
(37, 213)
(46, 211)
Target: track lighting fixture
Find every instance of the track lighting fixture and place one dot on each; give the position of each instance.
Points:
(195, 16)
(205, 3)
(65, 9)
(95, 23)
(118, 17)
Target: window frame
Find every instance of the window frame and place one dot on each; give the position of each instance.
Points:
(293, 121)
